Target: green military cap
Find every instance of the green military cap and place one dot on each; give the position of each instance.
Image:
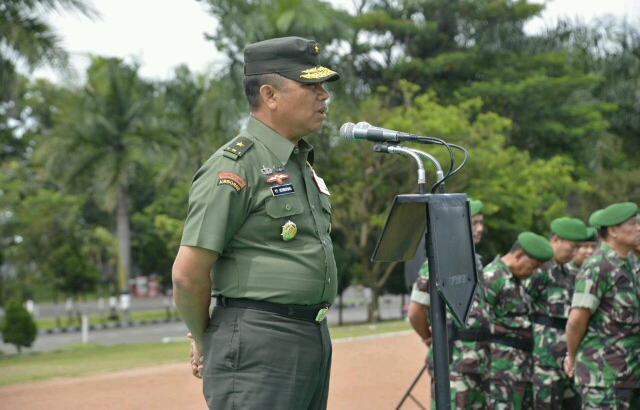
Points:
(591, 235)
(295, 58)
(536, 246)
(571, 229)
(615, 214)
(594, 217)
(475, 206)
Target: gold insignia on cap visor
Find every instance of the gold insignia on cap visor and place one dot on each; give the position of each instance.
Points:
(317, 72)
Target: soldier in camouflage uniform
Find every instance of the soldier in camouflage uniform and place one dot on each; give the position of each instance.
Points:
(551, 288)
(509, 307)
(584, 252)
(603, 330)
(469, 350)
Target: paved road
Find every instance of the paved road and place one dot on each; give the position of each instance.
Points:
(390, 308)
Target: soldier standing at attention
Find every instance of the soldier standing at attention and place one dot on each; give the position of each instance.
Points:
(509, 308)
(603, 330)
(257, 239)
(551, 288)
(584, 252)
(470, 348)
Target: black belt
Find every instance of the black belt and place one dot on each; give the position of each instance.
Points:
(471, 335)
(313, 313)
(555, 322)
(526, 345)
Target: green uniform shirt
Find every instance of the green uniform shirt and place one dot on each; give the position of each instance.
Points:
(550, 288)
(609, 352)
(238, 204)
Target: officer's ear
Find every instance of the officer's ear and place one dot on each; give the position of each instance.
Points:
(268, 96)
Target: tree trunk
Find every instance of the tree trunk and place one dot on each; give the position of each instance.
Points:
(124, 239)
(373, 312)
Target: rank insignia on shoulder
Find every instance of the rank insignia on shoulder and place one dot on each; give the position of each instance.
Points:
(239, 146)
(234, 180)
(279, 178)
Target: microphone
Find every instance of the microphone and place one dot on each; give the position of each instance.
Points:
(365, 131)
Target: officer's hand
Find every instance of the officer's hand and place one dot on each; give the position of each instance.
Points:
(568, 364)
(196, 358)
(427, 340)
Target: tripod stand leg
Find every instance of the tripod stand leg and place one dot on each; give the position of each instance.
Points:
(408, 393)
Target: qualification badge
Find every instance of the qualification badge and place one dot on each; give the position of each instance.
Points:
(278, 168)
(289, 230)
(266, 171)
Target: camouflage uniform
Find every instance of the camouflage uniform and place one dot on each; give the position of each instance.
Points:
(607, 366)
(469, 359)
(550, 288)
(509, 307)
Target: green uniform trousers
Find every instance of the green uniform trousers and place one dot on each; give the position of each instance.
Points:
(260, 360)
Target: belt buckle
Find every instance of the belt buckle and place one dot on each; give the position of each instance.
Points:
(322, 313)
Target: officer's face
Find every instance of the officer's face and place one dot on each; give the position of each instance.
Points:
(627, 234)
(525, 266)
(301, 109)
(563, 250)
(477, 227)
(585, 251)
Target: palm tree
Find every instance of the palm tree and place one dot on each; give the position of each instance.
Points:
(101, 140)
(27, 40)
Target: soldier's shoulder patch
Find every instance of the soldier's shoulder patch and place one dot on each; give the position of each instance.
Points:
(238, 147)
(231, 179)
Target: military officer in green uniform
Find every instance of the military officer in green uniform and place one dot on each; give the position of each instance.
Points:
(469, 348)
(603, 329)
(256, 239)
(510, 308)
(551, 288)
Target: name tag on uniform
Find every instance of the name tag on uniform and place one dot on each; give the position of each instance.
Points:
(282, 190)
(322, 187)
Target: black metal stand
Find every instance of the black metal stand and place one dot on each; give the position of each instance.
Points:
(408, 393)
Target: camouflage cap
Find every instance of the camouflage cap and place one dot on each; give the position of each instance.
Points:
(571, 229)
(536, 246)
(475, 206)
(591, 235)
(594, 218)
(615, 214)
(295, 58)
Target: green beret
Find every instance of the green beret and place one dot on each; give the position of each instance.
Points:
(594, 217)
(571, 229)
(475, 206)
(536, 246)
(295, 58)
(591, 235)
(615, 214)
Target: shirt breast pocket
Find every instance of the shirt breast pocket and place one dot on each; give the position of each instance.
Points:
(281, 209)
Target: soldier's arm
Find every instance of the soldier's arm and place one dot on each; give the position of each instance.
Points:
(576, 328)
(420, 321)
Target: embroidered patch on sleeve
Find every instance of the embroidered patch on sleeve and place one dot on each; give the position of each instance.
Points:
(229, 178)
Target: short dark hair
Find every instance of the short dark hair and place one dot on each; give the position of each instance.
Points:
(252, 84)
(603, 232)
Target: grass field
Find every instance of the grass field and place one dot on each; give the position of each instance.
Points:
(81, 359)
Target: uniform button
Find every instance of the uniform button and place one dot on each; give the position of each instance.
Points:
(296, 151)
(324, 242)
(328, 280)
(313, 207)
(287, 207)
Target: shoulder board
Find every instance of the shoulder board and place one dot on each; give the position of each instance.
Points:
(238, 147)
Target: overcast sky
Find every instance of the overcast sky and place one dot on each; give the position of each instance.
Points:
(164, 34)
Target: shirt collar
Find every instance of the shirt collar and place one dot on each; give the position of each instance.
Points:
(276, 143)
(619, 262)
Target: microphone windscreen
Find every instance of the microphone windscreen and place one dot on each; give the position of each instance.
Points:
(346, 131)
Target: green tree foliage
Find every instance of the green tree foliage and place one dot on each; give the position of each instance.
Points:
(107, 128)
(18, 327)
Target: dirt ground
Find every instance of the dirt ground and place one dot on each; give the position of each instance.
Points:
(372, 373)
